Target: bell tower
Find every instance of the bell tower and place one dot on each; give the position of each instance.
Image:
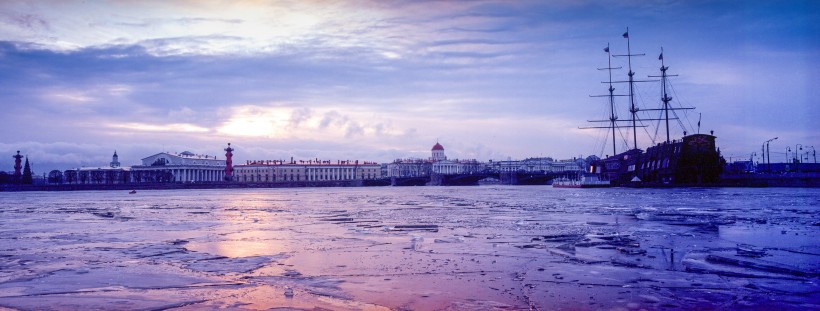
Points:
(115, 160)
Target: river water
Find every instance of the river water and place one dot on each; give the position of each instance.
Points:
(411, 248)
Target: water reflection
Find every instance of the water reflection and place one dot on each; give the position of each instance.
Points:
(236, 249)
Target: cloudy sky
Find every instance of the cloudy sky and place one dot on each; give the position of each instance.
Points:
(380, 80)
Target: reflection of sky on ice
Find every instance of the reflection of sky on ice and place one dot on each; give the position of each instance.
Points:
(486, 247)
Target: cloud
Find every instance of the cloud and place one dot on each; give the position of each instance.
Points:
(192, 45)
(166, 128)
(183, 114)
(27, 21)
(299, 115)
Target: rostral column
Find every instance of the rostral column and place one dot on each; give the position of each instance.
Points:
(17, 166)
(228, 163)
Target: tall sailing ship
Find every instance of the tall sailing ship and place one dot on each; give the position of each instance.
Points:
(692, 160)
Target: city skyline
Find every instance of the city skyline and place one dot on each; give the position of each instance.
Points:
(377, 81)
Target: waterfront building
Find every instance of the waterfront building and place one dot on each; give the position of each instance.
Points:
(310, 170)
(409, 168)
(161, 167)
(112, 174)
(449, 167)
(437, 163)
(179, 167)
(539, 165)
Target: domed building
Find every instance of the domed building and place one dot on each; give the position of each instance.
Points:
(441, 165)
(438, 153)
(436, 164)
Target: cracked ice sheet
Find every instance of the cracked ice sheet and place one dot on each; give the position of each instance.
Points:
(461, 248)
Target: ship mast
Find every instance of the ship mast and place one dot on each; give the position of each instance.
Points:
(632, 109)
(665, 97)
(613, 118)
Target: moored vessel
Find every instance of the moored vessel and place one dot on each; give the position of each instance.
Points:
(585, 181)
(692, 160)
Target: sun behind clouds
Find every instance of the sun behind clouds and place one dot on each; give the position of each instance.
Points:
(256, 122)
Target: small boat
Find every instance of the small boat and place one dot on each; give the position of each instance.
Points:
(132, 192)
(586, 181)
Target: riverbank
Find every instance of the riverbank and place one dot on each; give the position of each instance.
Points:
(197, 185)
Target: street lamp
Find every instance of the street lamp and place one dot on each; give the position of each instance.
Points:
(769, 156)
(788, 159)
(797, 152)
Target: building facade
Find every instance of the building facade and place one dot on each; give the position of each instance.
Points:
(179, 167)
(162, 167)
(436, 164)
(111, 174)
(311, 170)
(409, 168)
(538, 165)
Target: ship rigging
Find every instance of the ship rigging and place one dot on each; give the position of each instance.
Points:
(692, 160)
(636, 121)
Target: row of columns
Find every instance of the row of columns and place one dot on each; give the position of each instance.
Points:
(346, 173)
(447, 168)
(198, 174)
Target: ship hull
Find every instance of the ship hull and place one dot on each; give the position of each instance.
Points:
(691, 161)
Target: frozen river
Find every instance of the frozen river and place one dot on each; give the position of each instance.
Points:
(411, 248)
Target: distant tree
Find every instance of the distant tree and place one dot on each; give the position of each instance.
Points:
(83, 177)
(26, 179)
(55, 177)
(70, 176)
(4, 178)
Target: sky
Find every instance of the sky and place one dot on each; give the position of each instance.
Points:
(382, 80)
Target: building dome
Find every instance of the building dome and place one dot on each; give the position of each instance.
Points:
(438, 147)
